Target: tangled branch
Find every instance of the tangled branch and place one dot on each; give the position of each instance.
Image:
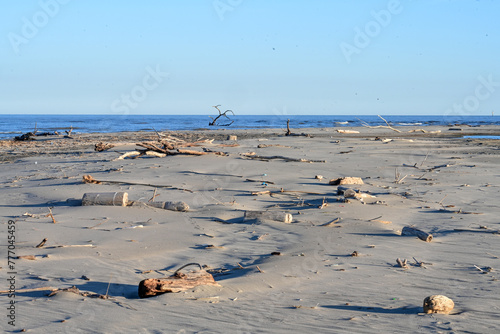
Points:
(214, 120)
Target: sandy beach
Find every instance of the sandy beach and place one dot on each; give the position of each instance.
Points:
(333, 269)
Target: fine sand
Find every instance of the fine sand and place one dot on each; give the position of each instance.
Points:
(336, 271)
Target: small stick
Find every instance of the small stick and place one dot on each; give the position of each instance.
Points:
(106, 297)
(496, 257)
(154, 196)
(333, 222)
(30, 290)
(250, 180)
(324, 204)
(51, 216)
(419, 263)
(263, 236)
(441, 201)
(424, 159)
(40, 245)
(159, 136)
(481, 270)
(91, 227)
(259, 269)
(64, 246)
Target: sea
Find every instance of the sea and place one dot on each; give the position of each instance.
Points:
(16, 124)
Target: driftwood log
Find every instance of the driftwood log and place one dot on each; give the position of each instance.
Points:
(172, 206)
(109, 198)
(269, 215)
(408, 230)
(176, 283)
(99, 147)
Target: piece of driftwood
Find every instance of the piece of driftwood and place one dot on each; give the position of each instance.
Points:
(333, 222)
(99, 147)
(90, 179)
(40, 245)
(288, 131)
(214, 120)
(379, 126)
(44, 288)
(438, 304)
(261, 181)
(408, 230)
(287, 159)
(191, 152)
(272, 145)
(77, 291)
(108, 198)
(51, 215)
(139, 153)
(279, 216)
(346, 180)
(176, 283)
(264, 192)
(402, 263)
(172, 206)
(347, 131)
(480, 230)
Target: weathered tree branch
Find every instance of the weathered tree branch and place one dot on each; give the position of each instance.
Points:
(214, 120)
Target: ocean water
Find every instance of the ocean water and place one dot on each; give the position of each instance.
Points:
(13, 125)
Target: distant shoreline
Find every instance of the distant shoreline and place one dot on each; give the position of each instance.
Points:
(13, 125)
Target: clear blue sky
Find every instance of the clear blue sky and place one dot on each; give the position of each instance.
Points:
(252, 56)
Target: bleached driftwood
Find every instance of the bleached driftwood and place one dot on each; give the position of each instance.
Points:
(90, 179)
(346, 180)
(108, 198)
(347, 131)
(136, 154)
(172, 206)
(266, 158)
(176, 283)
(379, 126)
(402, 263)
(408, 230)
(279, 216)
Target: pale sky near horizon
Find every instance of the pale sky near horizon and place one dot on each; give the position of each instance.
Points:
(324, 57)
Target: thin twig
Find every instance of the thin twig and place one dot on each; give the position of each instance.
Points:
(107, 290)
(51, 216)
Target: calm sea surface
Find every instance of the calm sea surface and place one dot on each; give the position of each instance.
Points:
(13, 125)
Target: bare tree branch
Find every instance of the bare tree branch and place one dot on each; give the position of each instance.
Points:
(214, 120)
